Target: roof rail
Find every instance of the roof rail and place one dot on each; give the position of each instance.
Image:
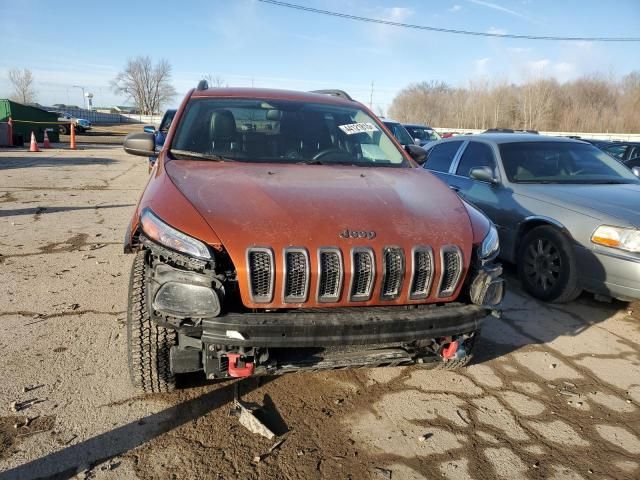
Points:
(202, 85)
(335, 93)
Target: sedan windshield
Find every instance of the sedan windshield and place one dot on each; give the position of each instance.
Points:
(561, 162)
(282, 131)
(424, 134)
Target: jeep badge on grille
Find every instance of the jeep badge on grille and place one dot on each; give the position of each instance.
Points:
(358, 234)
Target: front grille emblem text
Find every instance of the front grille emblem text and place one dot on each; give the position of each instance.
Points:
(358, 234)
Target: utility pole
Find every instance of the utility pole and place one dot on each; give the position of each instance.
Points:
(84, 105)
(371, 96)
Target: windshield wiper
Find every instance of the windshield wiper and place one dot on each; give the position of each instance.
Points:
(185, 154)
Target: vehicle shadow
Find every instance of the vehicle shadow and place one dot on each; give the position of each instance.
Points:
(527, 321)
(85, 455)
(11, 163)
(45, 210)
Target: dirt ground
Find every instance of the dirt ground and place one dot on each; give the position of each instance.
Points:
(555, 392)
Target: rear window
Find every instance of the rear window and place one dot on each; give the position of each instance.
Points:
(441, 156)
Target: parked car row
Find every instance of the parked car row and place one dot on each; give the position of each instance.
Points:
(567, 213)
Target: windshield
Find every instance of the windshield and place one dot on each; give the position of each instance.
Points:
(560, 162)
(282, 131)
(425, 134)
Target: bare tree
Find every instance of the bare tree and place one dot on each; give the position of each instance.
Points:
(22, 81)
(147, 85)
(592, 103)
(215, 81)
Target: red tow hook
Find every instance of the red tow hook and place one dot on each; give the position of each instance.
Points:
(450, 350)
(239, 372)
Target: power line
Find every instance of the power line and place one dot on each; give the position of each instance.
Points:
(446, 30)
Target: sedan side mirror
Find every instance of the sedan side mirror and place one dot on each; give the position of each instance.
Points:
(149, 129)
(636, 171)
(484, 174)
(418, 154)
(141, 143)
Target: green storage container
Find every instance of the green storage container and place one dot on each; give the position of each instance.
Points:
(27, 119)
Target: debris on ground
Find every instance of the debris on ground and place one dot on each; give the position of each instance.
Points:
(383, 472)
(247, 419)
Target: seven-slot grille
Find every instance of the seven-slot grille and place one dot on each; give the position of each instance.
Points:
(418, 268)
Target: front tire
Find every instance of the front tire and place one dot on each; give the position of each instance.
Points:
(148, 344)
(547, 266)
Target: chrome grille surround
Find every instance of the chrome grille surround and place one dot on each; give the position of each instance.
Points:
(422, 270)
(363, 274)
(296, 275)
(330, 274)
(451, 264)
(393, 268)
(261, 274)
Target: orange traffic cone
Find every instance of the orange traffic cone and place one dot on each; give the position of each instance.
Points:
(72, 146)
(34, 145)
(46, 143)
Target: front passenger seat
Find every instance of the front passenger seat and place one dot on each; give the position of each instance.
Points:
(223, 133)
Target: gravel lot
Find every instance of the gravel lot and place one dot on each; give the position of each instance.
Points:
(554, 394)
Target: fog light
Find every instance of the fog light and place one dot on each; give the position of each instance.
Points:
(183, 300)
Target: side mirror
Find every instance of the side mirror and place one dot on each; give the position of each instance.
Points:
(636, 171)
(484, 174)
(418, 154)
(149, 129)
(142, 144)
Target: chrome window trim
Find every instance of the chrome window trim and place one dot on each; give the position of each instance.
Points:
(384, 272)
(427, 289)
(447, 249)
(292, 298)
(337, 297)
(272, 275)
(362, 298)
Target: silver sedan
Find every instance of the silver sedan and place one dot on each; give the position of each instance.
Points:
(567, 214)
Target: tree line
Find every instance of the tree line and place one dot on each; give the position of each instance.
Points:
(592, 103)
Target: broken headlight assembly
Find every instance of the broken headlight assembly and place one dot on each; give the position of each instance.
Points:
(490, 245)
(165, 235)
(627, 239)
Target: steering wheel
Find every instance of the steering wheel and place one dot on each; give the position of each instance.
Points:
(329, 151)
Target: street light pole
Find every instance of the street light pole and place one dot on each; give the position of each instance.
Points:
(84, 105)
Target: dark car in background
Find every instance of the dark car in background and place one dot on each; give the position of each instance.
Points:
(623, 151)
(398, 131)
(567, 213)
(161, 133)
(422, 134)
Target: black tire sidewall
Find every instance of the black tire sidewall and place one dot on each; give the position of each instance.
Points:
(566, 285)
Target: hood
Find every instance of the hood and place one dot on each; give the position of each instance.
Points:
(310, 206)
(604, 202)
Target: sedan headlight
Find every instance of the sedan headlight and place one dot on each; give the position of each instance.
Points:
(490, 245)
(616, 237)
(163, 234)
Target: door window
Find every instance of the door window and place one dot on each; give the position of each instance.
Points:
(441, 156)
(476, 155)
(616, 151)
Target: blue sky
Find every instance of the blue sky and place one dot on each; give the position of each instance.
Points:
(246, 42)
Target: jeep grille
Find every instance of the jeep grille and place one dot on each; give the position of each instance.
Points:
(451, 261)
(296, 275)
(261, 274)
(358, 283)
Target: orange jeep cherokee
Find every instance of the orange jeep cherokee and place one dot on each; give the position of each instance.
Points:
(284, 230)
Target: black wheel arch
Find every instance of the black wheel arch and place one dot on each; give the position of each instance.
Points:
(532, 222)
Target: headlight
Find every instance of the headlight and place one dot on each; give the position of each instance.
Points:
(168, 236)
(623, 238)
(490, 245)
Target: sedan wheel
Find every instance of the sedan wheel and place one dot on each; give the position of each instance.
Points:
(547, 267)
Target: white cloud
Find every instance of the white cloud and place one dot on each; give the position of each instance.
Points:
(497, 31)
(537, 67)
(481, 65)
(499, 8)
(455, 8)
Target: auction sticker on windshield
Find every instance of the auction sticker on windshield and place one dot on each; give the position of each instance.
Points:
(352, 128)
